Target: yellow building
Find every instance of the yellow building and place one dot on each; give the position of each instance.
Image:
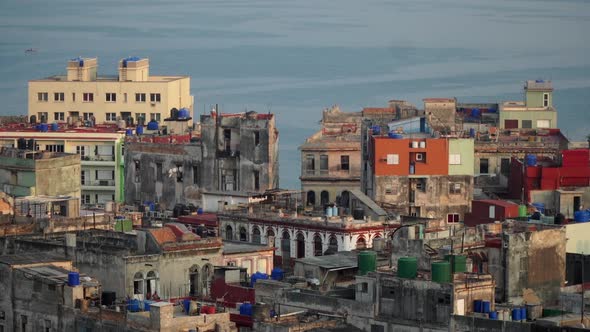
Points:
(83, 95)
(100, 149)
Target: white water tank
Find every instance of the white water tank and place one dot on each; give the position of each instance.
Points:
(415, 144)
(423, 145)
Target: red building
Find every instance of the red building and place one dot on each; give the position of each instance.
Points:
(488, 210)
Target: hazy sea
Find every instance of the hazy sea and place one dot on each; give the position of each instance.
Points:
(294, 58)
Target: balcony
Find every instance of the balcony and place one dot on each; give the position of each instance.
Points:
(99, 160)
(99, 185)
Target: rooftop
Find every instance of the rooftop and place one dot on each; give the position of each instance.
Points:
(53, 274)
(340, 260)
(539, 85)
(243, 247)
(62, 128)
(31, 258)
(7, 152)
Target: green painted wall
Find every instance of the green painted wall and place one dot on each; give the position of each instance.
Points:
(464, 147)
(119, 171)
(529, 115)
(535, 98)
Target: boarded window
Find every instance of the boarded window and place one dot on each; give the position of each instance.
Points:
(455, 159)
(511, 124)
(393, 159)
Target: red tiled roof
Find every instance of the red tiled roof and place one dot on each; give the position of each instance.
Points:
(163, 235)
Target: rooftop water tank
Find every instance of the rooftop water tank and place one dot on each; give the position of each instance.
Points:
(458, 263)
(581, 216)
(407, 267)
(129, 132)
(73, 279)
(54, 126)
(152, 125)
(378, 244)
(367, 262)
(394, 135)
(33, 119)
(133, 305)
(522, 211)
(246, 309)
(477, 306)
(472, 132)
(531, 160)
(257, 276)
(174, 113)
(376, 130)
(540, 207)
(43, 127)
(121, 124)
(493, 315)
(329, 211)
(277, 274)
(183, 113)
(476, 113)
(516, 316)
(486, 307)
(441, 271)
(139, 130)
(358, 213)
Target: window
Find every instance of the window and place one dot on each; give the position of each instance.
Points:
(154, 97)
(159, 175)
(492, 211)
(139, 116)
(452, 217)
(345, 163)
(47, 325)
(104, 174)
(111, 117)
(85, 199)
(545, 100)
(421, 185)
(510, 124)
(229, 179)
(323, 163)
(420, 157)
(455, 159)
(137, 171)
(455, 188)
(138, 283)
(125, 97)
(54, 148)
(111, 97)
(393, 159)
(527, 124)
(483, 166)
(256, 138)
(58, 116)
(43, 117)
(364, 287)
(73, 96)
(140, 97)
(505, 166)
(310, 163)
(82, 150)
(179, 173)
(196, 175)
(155, 117)
(59, 96)
(88, 97)
(42, 96)
(256, 180)
(87, 116)
(543, 123)
(152, 284)
(23, 323)
(51, 287)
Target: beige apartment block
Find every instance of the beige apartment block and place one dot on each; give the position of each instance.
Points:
(81, 93)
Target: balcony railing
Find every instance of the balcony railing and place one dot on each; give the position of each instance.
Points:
(99, 158)
(99, 183)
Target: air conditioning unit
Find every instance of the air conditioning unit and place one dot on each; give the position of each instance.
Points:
(419, 156)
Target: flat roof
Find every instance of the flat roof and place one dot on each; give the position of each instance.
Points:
(31, 258)
(243, 247)
(342, 259)
(111, 78)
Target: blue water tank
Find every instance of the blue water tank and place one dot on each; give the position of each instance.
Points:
(486, 306)
(43, 127)
(376, 130)
(146, 305)
(81, 63)
(152, 125)
(133, 305)
(246, 309)
(277, 274)
(257, 276)
(54, 126)
(516, 315)
(477, 306)
(531, 160)
(540, 207)
(139, 130)
(493, 315)
(472, 132)
(582, 216)
(522, 313)
(73, 279)
(200, 211)
(183, 113)
(476, 113)
(186, 305)
(129, 132)
(335, 211)
(394, 135)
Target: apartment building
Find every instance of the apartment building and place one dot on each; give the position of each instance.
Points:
(535, 112)
(82, 95)
(100, 149)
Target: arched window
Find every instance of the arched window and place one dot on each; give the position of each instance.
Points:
(243, 234)
(286, 246)
(152, 284)
(311, 197)
(270, 237)
(138, 283)
(193, 277)
(229, 233)
(324, 198)
(318, 249)
(256, 235)
(361, 243)
(345, 199)
(206, 275)
(332, 244)
(300, 245)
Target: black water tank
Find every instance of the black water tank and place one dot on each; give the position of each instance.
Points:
(43, 119)
(174, 113)
(559, 219)
(358, 213)
(33, 119)
(31, 144)
(108, 298)
(21, 144)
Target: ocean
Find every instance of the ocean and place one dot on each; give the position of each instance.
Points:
(296, 58)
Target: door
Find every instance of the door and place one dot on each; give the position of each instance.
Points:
(461, 307)
(577, 203)
(511, 124)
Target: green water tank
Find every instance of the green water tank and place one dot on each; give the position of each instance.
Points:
(522, 210)
(407, 267)
(367, 262)
(441, 271)
(458, 263)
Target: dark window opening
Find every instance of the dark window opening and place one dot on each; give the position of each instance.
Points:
(256, 138)
(483, 166)
(179, 173)
(159, 175)
(137, 171)
(505, 166)
(227, 140)
(196, 175)
(345, 163)
(256, 180)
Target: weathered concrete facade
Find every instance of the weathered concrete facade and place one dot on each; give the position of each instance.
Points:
(237, 152)
(30, 173)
